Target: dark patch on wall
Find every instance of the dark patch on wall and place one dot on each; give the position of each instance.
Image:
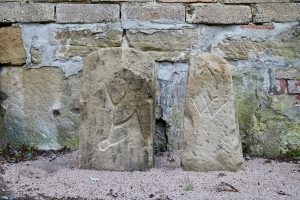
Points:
(161, 137)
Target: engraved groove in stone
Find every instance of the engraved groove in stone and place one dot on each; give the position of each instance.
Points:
(129, 74)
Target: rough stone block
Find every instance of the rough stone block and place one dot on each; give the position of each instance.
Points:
(277, 12)
(81, 42)
(87, 13)
(26, 12)
(253, 1)
(293, 86)
(164, 45)
(218, 14)
(35, 54)
(289, 73)
(131, 1)
(187, 1)
(245, 48)
(117, 127)
(162, 40)
(12, 50)
(169, 56)
(153, 12)
(40, 107)
(65, 45)
(211, 133)
(288, 105)
(60, 1)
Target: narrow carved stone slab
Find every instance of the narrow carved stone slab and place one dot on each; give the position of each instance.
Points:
(117, 127)
(211, 133)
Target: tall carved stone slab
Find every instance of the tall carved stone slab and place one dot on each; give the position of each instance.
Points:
(117, 124)
(211, 133)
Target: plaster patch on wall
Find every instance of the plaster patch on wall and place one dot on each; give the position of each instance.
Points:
(43, 37)
(155, 25)
(212, 36)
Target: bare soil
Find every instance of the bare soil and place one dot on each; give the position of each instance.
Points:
(60, 178)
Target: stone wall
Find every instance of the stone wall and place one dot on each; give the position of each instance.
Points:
(43, 44)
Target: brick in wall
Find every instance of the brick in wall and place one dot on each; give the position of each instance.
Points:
(277, 12)
(293, 86)
(218, 14)
(87, 13)
(26, 12)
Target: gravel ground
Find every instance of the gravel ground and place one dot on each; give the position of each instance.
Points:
(49, 178)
